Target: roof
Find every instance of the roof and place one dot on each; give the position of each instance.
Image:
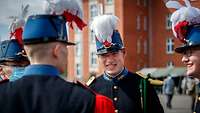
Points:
(162, 72)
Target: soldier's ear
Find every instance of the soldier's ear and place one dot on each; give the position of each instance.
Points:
(123, 51)
(56, 50)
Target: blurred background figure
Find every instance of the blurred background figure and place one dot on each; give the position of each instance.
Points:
(189, 86)
(168, 90)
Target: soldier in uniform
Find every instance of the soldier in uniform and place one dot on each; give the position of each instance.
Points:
(117, 82)
(41, 89)
(12, 59)
(186, 28)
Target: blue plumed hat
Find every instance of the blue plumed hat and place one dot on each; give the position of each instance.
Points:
(108, 38)
(45, 28)
(11, 51)
(192, 39)
(52, 25)
(185, 24)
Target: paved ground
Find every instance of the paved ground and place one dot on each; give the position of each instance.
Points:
(180, 104)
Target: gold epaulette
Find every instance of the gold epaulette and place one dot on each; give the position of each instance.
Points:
(91, 79)
(152, 81)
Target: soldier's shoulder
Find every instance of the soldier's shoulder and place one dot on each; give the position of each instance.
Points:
(140, 75)
(83, 87)
(135, 75)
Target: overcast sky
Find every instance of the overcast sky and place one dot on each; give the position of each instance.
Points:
(13, 8)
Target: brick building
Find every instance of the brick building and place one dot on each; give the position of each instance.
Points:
(144, 26)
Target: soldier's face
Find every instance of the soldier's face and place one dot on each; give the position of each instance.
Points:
(191, 58)
(6, 71)
(113, 62)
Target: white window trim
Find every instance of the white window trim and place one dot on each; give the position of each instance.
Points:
(138, 22)
(168, 22)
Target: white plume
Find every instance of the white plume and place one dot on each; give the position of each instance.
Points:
(173, 4)
(187, 13)
(59, 6)
(19, 21)
(187, 3)
(103, 27)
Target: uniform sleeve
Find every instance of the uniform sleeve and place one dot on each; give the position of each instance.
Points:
(153, 102)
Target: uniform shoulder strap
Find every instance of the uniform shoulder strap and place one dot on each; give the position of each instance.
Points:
(91, 80)
(152, 81)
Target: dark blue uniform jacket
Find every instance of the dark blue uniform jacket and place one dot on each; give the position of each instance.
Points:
(124, 90)
(41, 90)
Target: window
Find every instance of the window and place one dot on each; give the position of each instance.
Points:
(145, 23)
(78, 70)
(138, 46)
(109, 2)
(92, 38)
(168, 22)
(145, 3)
(145, 47)
(78, 41)
(170, 64)
(93, 58)
(108, 7)
(138, 22)
(169, 46)
(78, 53)
(93, 10)
(138, 2)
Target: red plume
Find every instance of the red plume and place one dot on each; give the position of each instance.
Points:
(70, 18)
(18, 35)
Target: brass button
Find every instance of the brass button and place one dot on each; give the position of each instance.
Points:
(116, 111)
(115, 99)
(115, 87)
(194, 112)
(199, 98)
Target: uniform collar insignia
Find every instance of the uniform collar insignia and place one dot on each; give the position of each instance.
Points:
(116, 78)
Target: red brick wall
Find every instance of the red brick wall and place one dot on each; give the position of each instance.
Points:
(127, 10)
(159, 36)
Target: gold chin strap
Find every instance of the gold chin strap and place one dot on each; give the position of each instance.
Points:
(152, 81)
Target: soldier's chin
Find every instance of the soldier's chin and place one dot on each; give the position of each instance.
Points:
(112, 73)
